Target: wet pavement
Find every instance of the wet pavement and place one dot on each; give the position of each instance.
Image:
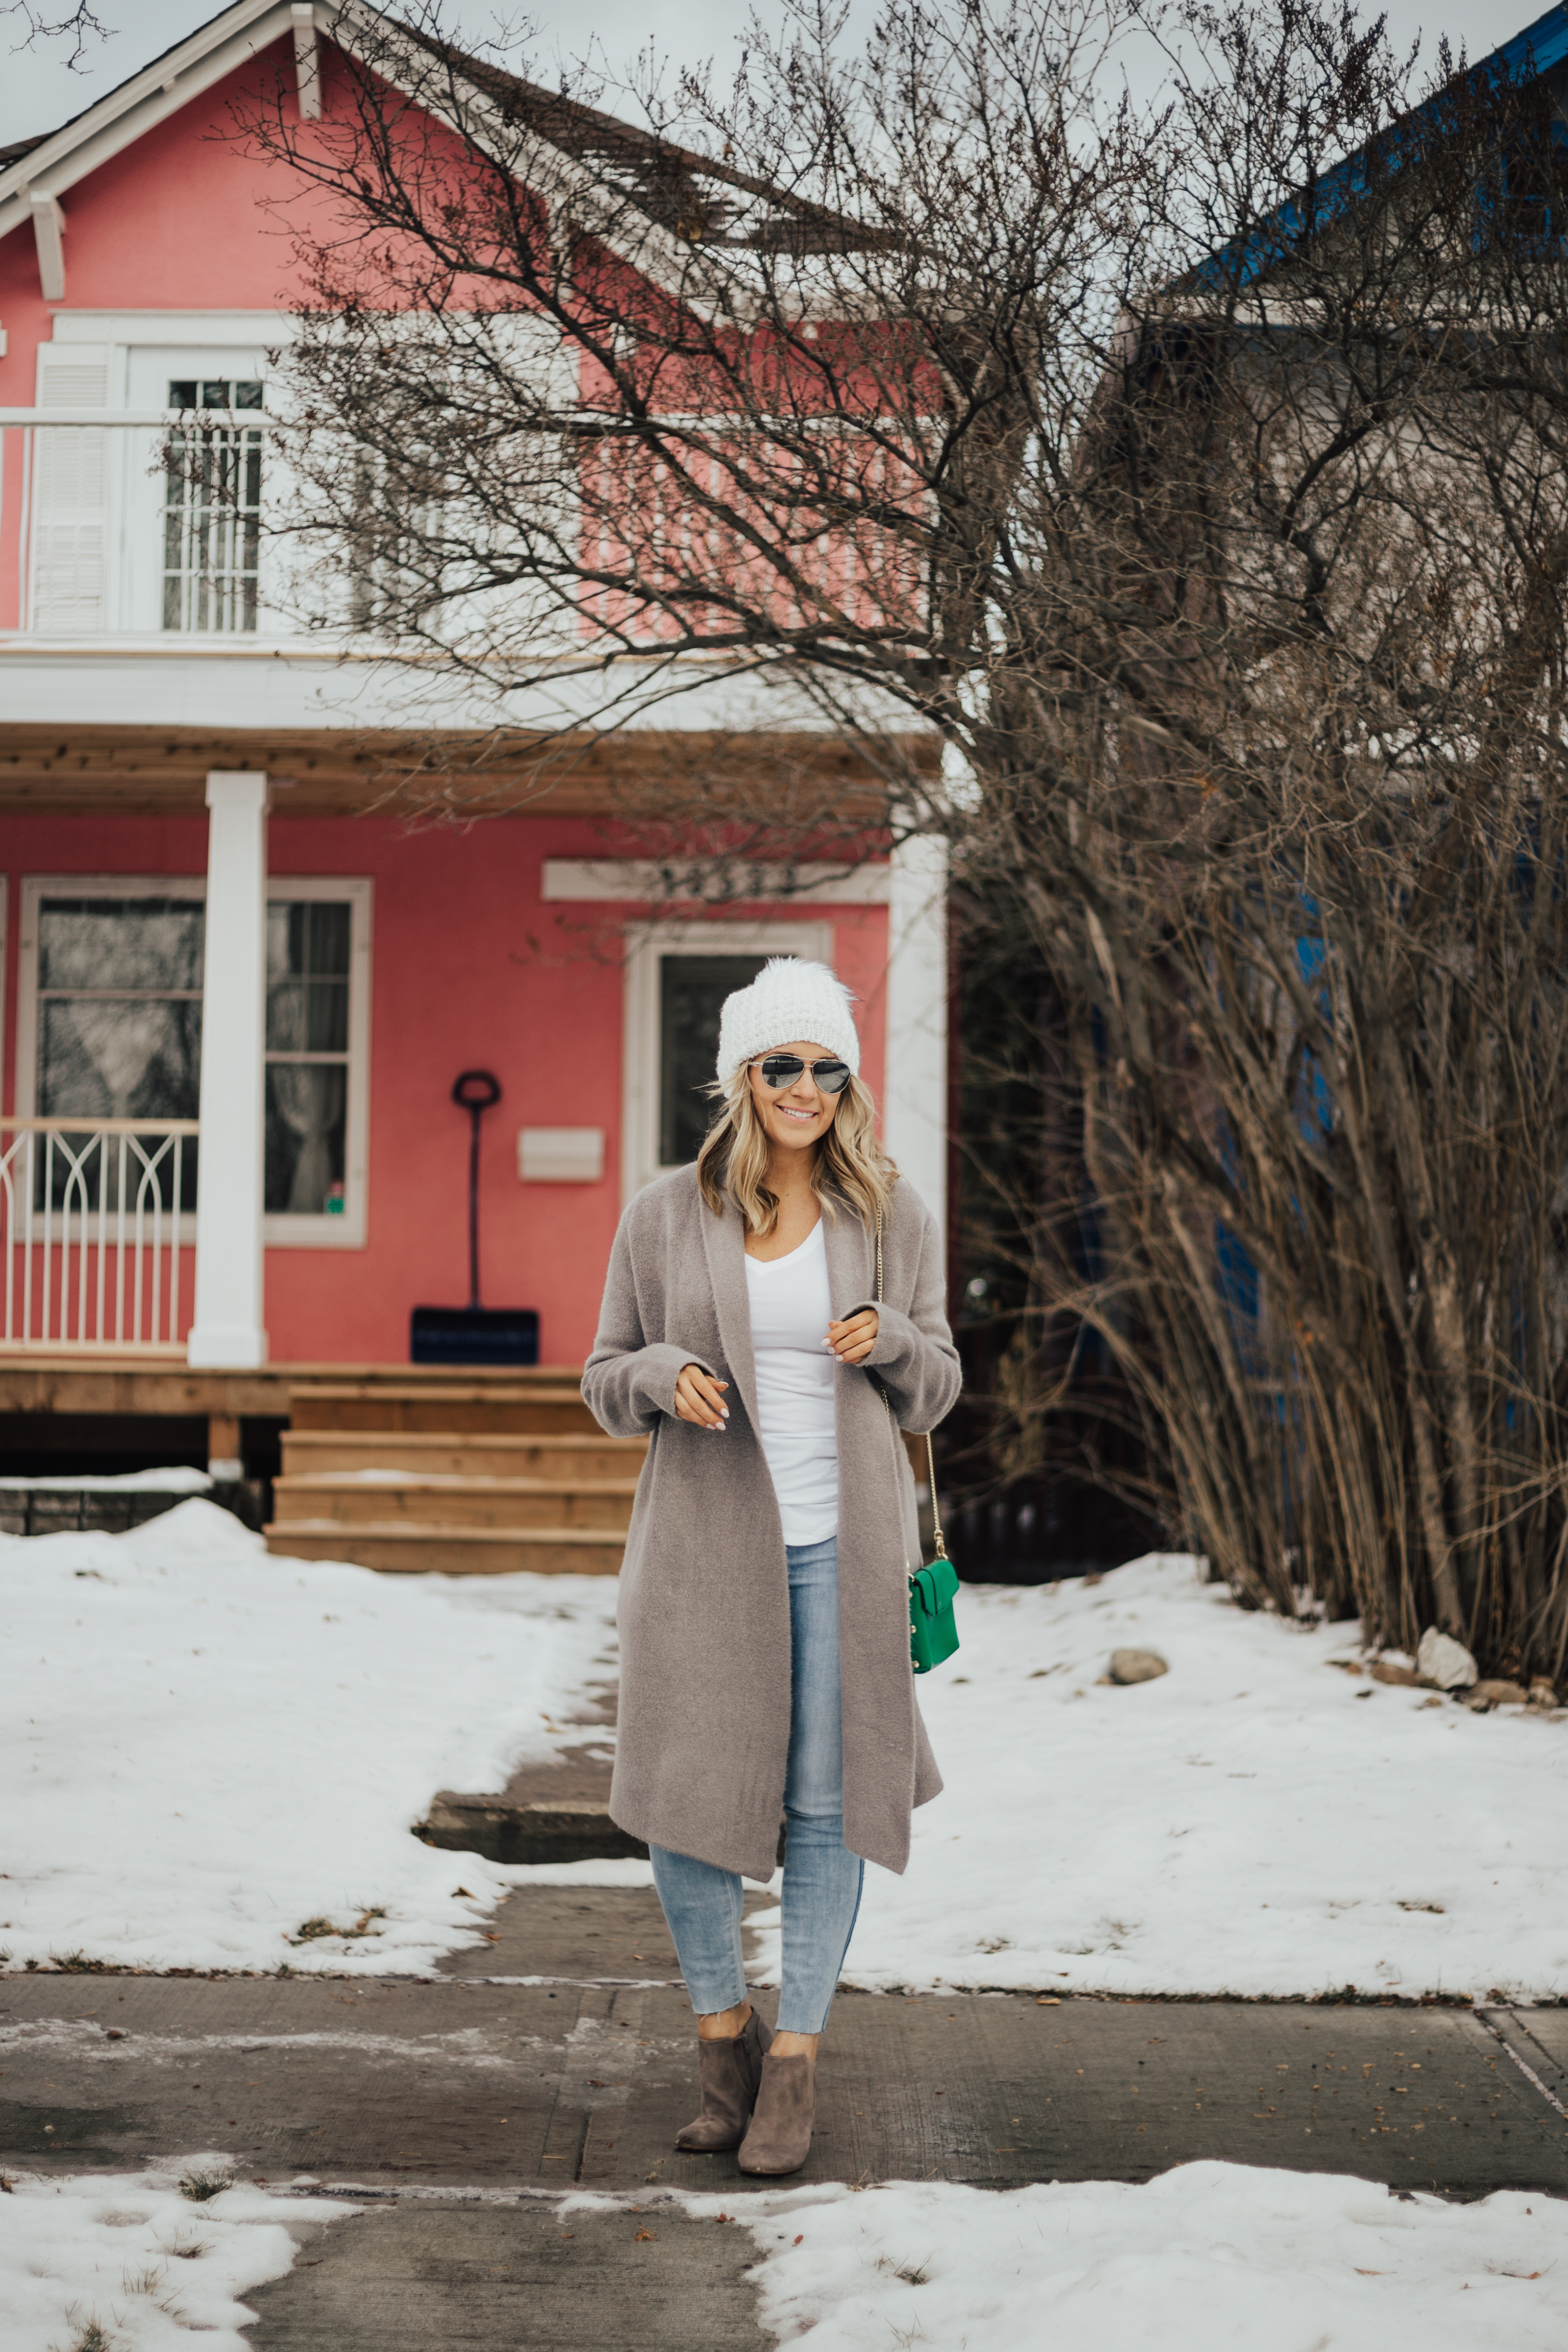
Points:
(420, 2091)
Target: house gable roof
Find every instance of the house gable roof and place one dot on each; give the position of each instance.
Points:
(52, 164)
(684, 201)
(698, 198)
(1540, 47)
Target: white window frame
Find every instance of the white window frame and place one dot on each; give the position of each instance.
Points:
(645, 945)
(277, 1232)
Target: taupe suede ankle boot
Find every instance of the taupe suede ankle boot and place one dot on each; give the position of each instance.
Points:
(730, 2069)
(780, 2139)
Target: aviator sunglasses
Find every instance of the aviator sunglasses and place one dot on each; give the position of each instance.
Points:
(783, 1069)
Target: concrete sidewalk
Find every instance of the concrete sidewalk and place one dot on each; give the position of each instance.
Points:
(418, 2092)
(465, 2083)
(441, 2276)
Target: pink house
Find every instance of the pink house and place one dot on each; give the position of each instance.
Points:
(235, 999)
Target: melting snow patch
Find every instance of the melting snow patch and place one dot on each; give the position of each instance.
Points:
(1207, 2258)
(132, 2258)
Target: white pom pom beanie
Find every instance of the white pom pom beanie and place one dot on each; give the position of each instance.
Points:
(788, 1001)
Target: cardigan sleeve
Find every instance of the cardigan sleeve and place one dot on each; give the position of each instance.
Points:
(627, 1383)
(914, 1354)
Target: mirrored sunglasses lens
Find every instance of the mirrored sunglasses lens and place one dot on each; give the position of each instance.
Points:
(832, 1076)
(782, 1069)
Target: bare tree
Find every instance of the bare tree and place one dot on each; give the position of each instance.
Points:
(75, 24)
(1195, 476)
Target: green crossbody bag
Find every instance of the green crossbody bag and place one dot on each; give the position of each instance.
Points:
(932, 1627)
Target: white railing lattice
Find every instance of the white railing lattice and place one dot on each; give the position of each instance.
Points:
(91, 1232)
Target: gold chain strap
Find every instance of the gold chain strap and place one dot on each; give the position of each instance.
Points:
(930, 1454)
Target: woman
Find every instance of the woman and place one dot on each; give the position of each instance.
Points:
(764, 1601)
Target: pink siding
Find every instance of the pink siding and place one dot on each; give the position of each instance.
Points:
(469, 968)
(175, 222)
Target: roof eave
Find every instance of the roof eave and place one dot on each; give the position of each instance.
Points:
(138, 105)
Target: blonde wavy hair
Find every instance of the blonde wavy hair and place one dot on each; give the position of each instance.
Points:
(851, 1169)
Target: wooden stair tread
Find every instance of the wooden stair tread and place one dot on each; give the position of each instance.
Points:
(440, 1531)
(501, 1438)
(314, 1375)
(399, 1513)
(420, 1393)
(439, 1482)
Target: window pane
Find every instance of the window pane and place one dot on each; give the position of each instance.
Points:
(327, 1017)
(121, 943)
(306, 1120)
(307, 936)
(308, 976)
(285, 1017)
(327, 933)
(214, 392)
(114, 1058)
(692, 990)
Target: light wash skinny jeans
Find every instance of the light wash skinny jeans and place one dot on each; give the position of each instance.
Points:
(822, 1877)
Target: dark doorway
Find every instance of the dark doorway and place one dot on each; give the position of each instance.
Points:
(692, 990)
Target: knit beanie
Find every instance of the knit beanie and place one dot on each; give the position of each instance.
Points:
(789, 1000)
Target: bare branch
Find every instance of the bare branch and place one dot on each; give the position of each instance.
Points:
(74, 27)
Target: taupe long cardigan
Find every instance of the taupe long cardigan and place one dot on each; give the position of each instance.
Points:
(705, 1598)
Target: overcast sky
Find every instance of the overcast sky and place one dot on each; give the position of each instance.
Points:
(38, 89)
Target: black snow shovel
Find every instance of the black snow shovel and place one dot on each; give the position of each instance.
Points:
(474, 1334)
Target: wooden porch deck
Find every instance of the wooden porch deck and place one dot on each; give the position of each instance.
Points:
(81, 1379)
(459, 1468)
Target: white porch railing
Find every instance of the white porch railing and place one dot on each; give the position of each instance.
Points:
(91, 1232)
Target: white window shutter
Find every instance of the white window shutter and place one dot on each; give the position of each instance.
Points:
(70, 487)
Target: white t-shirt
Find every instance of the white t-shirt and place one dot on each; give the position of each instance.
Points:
(790, 1311)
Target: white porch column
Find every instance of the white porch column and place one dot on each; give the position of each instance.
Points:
(914, 1103)
(228, 1331)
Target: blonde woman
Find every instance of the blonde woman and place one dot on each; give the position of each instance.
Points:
(764, 1601)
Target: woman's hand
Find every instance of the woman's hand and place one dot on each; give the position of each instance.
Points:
(853, 1342)
(699, 1398)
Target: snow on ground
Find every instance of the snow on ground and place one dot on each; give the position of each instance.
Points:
(131, 2254)
(1253, 1822)
(180, 1480)
(205, 1748)
(1204, 2258)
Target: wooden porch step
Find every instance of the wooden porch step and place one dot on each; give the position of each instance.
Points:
(415, 1470)
(429, 1452)
(437, 1546)
(354, 1499)
(515, 1408)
